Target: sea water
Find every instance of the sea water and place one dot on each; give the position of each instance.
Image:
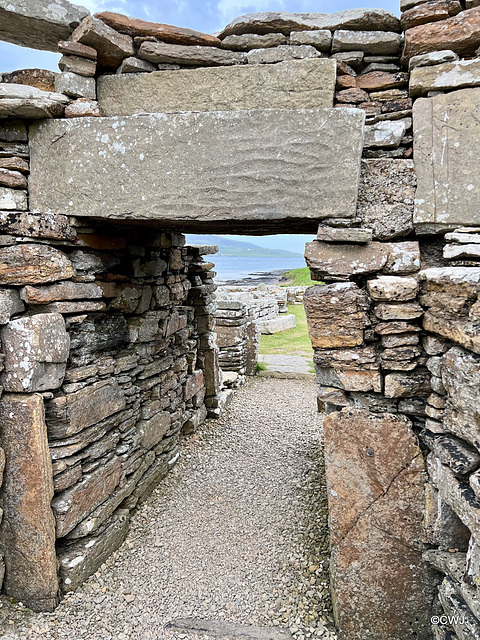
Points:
(235, 268)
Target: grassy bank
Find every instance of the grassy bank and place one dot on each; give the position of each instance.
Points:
(298, 278)
(293, 342)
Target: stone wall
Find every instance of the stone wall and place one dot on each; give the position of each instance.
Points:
(109, 331)
(109, 356)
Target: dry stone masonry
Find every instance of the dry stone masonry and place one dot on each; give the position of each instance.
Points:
(356, 125)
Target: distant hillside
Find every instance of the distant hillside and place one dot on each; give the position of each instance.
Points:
(238, 249)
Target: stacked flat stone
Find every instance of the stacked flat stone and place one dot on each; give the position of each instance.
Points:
(110, 355)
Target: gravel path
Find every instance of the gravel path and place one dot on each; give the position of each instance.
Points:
(236, 532)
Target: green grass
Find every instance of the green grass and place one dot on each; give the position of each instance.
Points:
(261, 366)
(294, 342)
(298, 278)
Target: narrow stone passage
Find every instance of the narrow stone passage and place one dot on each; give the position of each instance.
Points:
(237, 532)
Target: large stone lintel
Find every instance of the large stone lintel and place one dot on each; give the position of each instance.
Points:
(296, 84)
(268, 170)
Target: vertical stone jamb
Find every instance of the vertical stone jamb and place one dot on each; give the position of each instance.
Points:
(27, 533)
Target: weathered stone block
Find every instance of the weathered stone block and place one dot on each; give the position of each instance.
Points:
(348, 369)
(162, 52)
(112, 47)
(22, 101)
(402, 311)
(10, 304)
(284, 22)
(457, 494)
(166, 33)
(67, 415)
(336, 315)
(249, 41)
(375, 482)
(296, 84)
(392, 288)
(39, 24)
(448, 193)
(375, 43)
(430, 12)
(151, 431)
(386, 196)
(339, 262)
(33, 264)
(442, 527)
(93, 552)
(407, 385)
(460, 33)
(278, 324)
(281, 53)
(202, 183)
(61, 291)
(75, 503)
(13, 199)
(102, 513)
(321, 39)
(193, 385)
(36, 225)
(445, 77)
(461, 379)
(36, 350)
(75, 85)
(27, 533)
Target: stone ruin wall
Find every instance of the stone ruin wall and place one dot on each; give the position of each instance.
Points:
(394, 329)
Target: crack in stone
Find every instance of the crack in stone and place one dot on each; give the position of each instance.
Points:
(382, 495)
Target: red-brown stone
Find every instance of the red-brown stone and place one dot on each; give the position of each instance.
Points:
(460, 33)
(379, 80)
(375, 482)
(430, 12)
(27, 534)
(165, 32)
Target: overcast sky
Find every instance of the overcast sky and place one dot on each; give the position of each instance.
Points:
(208, 16)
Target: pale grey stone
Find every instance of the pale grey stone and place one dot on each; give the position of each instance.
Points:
(284, 22)
(352, 58)
(10, 304)
(452, 251)
(201, 182)
(277, 325)
(297, 84)
(373, 42)
(448, 192)
(443, 77)
(23, 101)
(380, 66)
(39, 24)
(13, 199)
(386, 196)
(188, 55)
(76, 86)
(386, 134)
(282, 53)
(392, 288)
(432, 58)
(93, 551)
(355, 235)
(254, 41)
(320, 39)
(135, 65)
(36, 350)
